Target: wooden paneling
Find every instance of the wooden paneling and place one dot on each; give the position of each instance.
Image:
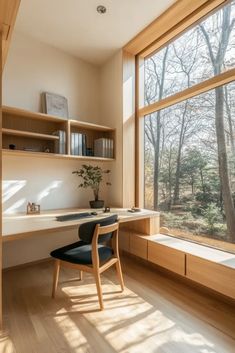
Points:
(213, 275)
(124, 240)
(8, 12)
(1, 181)
(147, 226)
(166, 22)
(138, 245)
(128, 130)
(167, 257)
(193, 18)
(5, 31)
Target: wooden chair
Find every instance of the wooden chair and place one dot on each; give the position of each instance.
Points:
(90, 254)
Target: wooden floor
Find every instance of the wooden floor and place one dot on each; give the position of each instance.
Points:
(153, 314)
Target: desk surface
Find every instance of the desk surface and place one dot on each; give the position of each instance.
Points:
(16, 226)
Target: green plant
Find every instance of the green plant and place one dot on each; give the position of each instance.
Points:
(92, 177)
(212, 215)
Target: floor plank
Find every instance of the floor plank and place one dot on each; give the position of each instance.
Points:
(154, 314)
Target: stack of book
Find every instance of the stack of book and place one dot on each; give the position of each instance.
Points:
(60, 145)
(78, 144)
(103, 147)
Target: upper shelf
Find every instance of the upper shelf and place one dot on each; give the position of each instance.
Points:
(29, 131)
(46, 117)
(31, 115)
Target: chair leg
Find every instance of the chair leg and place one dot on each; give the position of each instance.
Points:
(55, 277)
(81, 275)
(119, 274)
(99, 289)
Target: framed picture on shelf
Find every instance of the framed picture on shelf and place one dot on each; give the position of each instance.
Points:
(54, 104)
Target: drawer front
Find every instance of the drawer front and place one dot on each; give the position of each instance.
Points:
(171, 259)
(124, 240)
(138, 245)
(211, 274)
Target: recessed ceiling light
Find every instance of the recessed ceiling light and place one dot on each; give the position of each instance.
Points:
(101, 9)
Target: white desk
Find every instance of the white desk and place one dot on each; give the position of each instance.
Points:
(18, 226)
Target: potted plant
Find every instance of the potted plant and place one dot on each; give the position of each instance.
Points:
(91, 178)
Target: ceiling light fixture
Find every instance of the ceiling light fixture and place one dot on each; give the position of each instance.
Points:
(101, 9)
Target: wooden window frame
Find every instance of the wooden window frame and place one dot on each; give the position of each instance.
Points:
(190, 20)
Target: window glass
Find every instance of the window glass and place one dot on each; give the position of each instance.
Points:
(189, 156)
(200, 53)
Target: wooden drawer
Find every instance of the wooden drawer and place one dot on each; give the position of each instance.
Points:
(138, 245)
(211, 274)
(124, 240)
(169, 258)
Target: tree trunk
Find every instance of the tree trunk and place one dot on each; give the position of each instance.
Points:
(156, 163)
(202, 181)
(223, 165)
(96, 194)
(178, 162)
(217, 62)
(177, 177)
(230, 123)
(170, 181)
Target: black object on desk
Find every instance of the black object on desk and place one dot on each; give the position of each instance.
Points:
(72, 216)
(134, 209)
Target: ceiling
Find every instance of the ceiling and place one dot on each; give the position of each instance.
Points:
(75, 27)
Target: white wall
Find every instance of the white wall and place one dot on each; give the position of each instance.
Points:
(45, 181)
(94, 94)
(33, 67)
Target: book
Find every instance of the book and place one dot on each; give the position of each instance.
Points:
(60, 145)
(103, 147)
(78, 144)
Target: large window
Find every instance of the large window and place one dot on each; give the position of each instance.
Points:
(189, 143)
(202, 52)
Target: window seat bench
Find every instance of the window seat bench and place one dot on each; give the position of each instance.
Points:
(207, 266)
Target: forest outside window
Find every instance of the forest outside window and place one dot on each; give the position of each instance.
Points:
(189, 146)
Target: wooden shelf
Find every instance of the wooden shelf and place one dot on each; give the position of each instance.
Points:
(29, 134)
(89, 126)
(31, 115)
(34, 131)
(7, 152)
(47, 117)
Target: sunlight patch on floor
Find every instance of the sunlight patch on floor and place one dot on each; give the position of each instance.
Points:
(6, 345)
(128, 323)
(72, 334)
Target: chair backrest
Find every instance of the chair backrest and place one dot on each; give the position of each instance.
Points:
(86, 230)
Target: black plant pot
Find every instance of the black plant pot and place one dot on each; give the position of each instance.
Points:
(97, 204)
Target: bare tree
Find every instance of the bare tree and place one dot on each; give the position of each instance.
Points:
(153, 130)
(217, 60)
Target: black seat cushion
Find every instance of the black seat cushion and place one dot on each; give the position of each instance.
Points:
(86, 230)
(80, 253)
